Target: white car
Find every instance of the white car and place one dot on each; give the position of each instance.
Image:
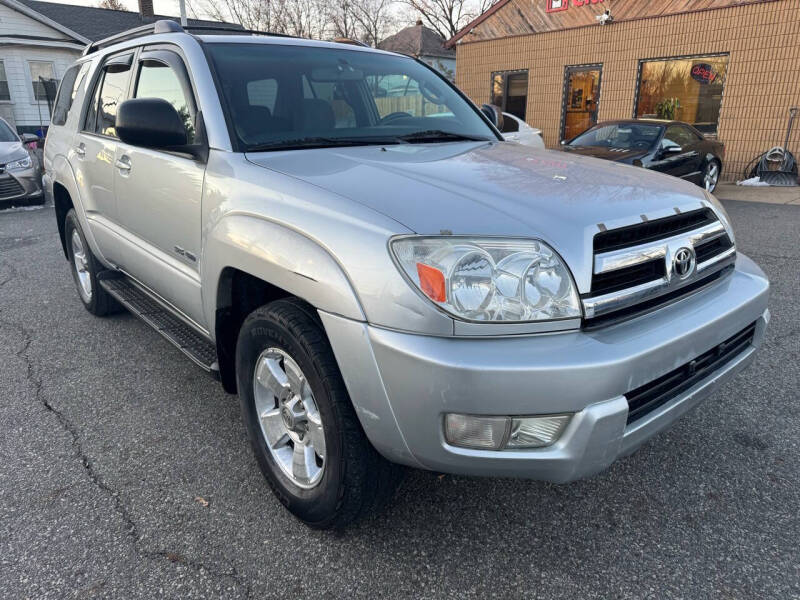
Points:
(517, 130)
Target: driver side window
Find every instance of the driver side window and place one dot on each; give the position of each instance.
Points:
(158, 80)
(676, 137)
(401, 94)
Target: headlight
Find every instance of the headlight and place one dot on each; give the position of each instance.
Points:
(22, 163)
(496, 280)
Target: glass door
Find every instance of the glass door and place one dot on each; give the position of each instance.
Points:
(581, 100)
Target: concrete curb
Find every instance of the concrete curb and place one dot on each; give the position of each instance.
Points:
(766, 195)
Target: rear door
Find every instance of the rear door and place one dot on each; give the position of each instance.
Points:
(94, 149)
(159, 192)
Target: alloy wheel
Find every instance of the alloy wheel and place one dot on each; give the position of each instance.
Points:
(711, 176)
(290, 420)
(80, 262)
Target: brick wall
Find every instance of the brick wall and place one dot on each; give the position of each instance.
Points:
(763, 78)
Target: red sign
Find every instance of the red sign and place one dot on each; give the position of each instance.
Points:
(703, 73)
(559, 5)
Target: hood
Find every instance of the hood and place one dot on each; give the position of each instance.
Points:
(493, 189)
(615, 154)
(11, 151)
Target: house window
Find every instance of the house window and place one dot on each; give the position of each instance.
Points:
(510, 92)
(684, 89)
(5, 96)
(42, 73)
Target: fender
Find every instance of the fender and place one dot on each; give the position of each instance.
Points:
(277, 255)
(64, 175)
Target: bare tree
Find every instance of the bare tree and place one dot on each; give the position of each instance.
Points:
(342, 18)
(258, 15)
(447, 17)
(112, 4)
(375, 20)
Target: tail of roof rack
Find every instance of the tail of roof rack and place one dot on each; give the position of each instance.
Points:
(168, 26)
(239, 30)
(162, 26)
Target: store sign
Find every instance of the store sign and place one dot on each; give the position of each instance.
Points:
(559, 5)
(704, 73)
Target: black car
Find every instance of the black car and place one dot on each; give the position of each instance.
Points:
(671, 147)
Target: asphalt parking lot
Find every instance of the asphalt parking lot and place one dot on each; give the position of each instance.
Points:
(125, 473)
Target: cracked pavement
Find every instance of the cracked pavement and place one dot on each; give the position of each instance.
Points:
(126, 473)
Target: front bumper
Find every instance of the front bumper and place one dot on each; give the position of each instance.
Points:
(21, 185)
(403, 384)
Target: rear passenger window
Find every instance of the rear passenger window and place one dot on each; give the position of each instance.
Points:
(111, 91)
(70, 84)
(158, 80)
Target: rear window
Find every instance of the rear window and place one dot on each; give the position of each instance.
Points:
(110, 91)
(70, 84)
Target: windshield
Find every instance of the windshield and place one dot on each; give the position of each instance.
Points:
(286, 96)
(6, 135)
(625, 136)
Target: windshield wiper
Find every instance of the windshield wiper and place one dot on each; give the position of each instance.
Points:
(439, 135)
(321, 142)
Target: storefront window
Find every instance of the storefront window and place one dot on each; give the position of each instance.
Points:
(510, 92)
(683, 89)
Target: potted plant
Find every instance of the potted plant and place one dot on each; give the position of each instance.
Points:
(667, 108)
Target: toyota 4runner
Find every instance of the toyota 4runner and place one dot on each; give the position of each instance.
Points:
(343, 239)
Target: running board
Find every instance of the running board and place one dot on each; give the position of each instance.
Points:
(194, 345)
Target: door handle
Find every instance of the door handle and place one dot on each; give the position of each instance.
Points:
(123, 163)
(80, 150)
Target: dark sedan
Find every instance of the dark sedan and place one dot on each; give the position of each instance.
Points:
(672, 147)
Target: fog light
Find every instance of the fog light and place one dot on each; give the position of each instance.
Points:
(536, 432)
(469, 431)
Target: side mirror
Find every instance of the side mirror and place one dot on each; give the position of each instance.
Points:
(494, 114)
(563, 142)
(667, 150)
(150, 122)
(28, 138)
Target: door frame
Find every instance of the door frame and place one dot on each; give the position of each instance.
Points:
(568, 70)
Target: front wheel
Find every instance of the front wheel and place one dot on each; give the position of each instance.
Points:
(301, 422)
(711, 176)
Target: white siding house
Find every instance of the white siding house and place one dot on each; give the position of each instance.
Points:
(43, 39)
(31, 45)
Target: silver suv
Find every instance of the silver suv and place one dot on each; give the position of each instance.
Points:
(343, 239)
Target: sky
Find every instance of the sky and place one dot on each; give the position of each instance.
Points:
(160, 7)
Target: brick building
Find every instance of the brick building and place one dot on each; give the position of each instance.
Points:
(730, 67)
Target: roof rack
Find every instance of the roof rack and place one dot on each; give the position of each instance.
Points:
(168, 26)
(162, 26)
(350, 41)
(240, 30)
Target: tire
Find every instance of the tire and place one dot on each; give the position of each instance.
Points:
(96, 300)
(711, 173)
(346, 478)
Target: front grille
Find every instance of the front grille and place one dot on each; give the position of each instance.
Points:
(647, 398)
(613, 281)
(651, 304)
(9, 188)
(640, 256)
(711, 248)
(651, 231)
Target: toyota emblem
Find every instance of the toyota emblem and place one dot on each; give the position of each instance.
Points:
(683, 263)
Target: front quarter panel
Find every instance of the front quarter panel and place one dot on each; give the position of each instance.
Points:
(315, 244)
